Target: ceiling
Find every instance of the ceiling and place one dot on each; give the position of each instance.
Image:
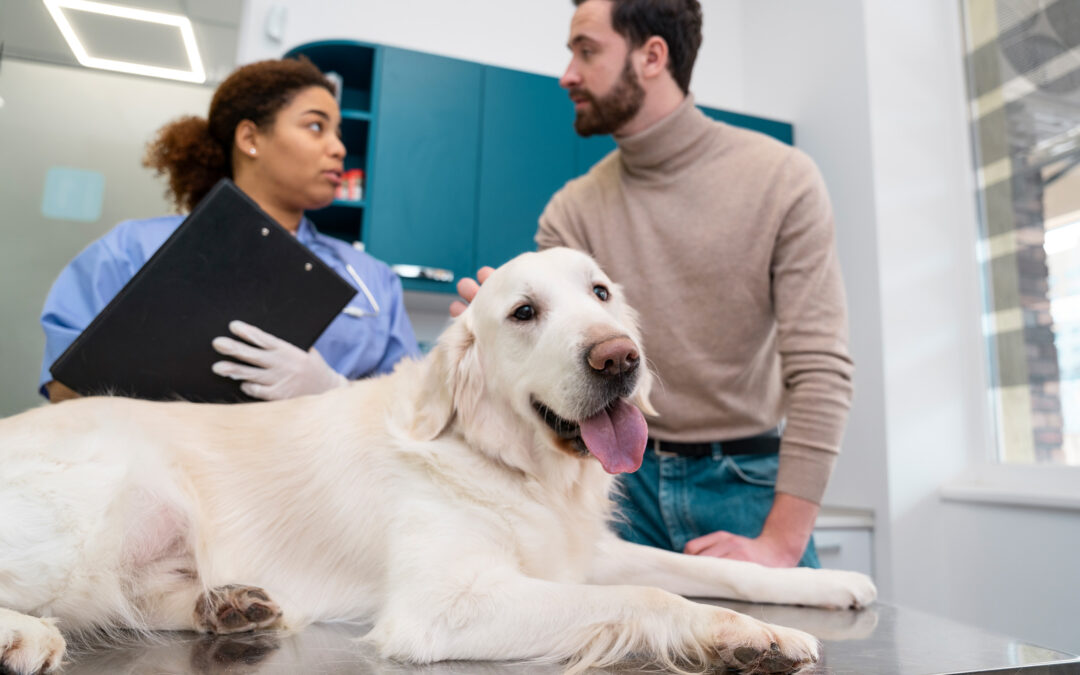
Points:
(28, 32)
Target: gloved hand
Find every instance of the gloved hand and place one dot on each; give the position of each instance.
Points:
(278, 369)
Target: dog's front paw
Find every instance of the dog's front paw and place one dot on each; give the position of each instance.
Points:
(844, 590)
(29, 645)
(235, 609)
(755, 647)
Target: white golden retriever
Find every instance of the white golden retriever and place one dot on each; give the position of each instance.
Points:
(460, 504)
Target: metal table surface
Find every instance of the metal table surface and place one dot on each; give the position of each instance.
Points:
(881, 640)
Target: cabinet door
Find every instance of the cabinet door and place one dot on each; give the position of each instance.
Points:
(527, 154)
(423, 175)
(781, 131)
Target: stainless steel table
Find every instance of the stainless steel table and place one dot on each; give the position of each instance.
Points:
(881, 640)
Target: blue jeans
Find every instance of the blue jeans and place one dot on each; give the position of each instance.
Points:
(671, 500)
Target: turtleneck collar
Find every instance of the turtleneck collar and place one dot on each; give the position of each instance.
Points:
(667, 144)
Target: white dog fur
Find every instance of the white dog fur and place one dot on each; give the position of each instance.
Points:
(434, 502)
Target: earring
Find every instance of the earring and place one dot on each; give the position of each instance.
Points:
(252, 151)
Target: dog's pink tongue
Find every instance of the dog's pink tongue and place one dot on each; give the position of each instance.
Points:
(616, 437)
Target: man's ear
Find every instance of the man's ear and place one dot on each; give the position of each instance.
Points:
(451, 382)
(654, 57)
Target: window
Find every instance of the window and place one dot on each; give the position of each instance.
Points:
(1023, 65)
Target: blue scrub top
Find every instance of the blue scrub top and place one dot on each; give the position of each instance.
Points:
(355, 346)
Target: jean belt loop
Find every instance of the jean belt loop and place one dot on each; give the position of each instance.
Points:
(659, 451)
(717, 451)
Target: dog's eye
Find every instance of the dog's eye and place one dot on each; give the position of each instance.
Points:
(524, 313)
(601, 292)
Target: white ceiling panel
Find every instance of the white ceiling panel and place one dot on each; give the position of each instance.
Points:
(28, 32)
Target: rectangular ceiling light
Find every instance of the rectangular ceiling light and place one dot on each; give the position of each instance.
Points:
(196, 74)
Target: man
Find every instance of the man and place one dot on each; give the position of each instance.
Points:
(723, 240)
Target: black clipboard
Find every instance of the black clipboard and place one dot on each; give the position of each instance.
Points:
(228, 260)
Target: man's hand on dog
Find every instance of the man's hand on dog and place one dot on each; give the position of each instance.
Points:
(467, 289)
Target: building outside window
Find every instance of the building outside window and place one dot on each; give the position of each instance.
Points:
(1023, 65)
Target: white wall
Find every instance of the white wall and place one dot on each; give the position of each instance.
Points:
(990, 565)
(83, 119)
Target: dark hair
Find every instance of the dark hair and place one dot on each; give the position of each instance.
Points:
(196, 153)
(678, 22)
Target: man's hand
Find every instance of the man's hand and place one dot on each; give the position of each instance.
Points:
(467, 289)
(782, 540)
(278, 368)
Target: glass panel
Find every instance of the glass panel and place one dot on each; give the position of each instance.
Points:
(1023, 69)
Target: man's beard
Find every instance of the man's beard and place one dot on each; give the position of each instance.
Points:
(608, 114)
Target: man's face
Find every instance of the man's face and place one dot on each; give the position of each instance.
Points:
(600, 78)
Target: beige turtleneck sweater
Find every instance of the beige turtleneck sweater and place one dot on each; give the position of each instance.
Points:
(722, 239)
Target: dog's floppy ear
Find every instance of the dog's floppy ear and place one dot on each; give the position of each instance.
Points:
(644, 388)
(451, 382)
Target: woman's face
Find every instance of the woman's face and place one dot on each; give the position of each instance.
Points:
(299, 160)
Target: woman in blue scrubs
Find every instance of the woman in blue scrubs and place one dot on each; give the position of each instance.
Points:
(273, 128)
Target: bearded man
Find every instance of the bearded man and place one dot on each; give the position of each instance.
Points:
(723, 239)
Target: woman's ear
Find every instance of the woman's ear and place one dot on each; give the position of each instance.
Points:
(451, 382)
(245, 138)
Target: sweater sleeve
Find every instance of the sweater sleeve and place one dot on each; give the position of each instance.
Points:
(811, 312)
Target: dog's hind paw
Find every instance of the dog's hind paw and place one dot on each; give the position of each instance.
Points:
(235, 609)
(29, 645)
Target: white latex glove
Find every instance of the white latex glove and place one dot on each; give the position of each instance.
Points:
(278, 369)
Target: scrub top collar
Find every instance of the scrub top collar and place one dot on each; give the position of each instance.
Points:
(306, 232)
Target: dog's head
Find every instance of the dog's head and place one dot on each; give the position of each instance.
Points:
(548, 351)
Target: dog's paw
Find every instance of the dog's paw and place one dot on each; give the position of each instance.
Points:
(840, 589)
(235, 609)
(29, 645)
(749, 646)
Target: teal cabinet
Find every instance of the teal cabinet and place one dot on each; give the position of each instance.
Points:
(424, 179)
(526, 155)
(781, 131)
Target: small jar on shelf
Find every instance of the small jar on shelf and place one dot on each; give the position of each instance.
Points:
(352, 186)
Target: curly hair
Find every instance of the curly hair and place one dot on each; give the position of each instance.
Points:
(196, 153)
(678, 22)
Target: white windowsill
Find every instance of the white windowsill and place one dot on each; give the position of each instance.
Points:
(1038, 486)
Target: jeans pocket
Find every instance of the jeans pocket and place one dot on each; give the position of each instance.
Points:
(754, 469)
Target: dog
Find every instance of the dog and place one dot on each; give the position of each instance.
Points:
(460, 504)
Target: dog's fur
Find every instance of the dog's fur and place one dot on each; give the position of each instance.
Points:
(436, 502)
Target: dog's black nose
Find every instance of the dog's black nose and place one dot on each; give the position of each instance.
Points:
(614, 357)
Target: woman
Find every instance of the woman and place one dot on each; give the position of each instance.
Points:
(273, 128)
